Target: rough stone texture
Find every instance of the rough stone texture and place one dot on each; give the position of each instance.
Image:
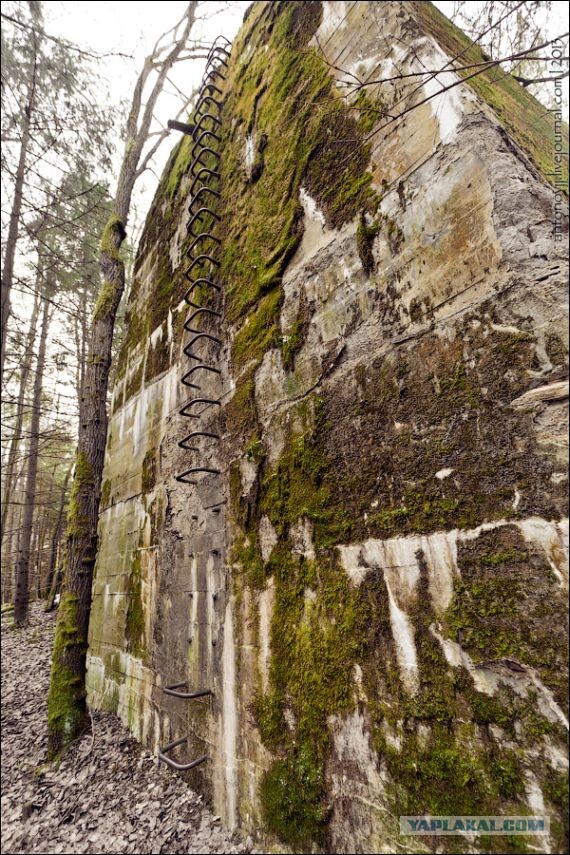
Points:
(375, 590)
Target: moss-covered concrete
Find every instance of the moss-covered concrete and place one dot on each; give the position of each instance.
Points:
(392, 345)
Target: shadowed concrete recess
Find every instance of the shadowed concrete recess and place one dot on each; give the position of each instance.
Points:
(375, 587)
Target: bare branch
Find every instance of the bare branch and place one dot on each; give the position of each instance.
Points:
(68, 45)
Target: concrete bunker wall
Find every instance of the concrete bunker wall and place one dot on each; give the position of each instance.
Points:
(375, 588)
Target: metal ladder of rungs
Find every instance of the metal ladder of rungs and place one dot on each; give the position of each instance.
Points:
(216, 63)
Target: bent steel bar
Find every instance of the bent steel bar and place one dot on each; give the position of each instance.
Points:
(217, 53)
(199, 176)
(216, 46)
(216, 61)
(196, 338)
(198, 159)
(180, 767)
(184, 380)
(196, 284)
(198, 127)
(184, 480)
(197, 433)
(201, 310)
(203, 101)
(204, 189)
(201, 236)
(171, 690)
(213, 73)
(199, 259)
(201, 212)
(210, 87)
(198, 142)
(209, 402)
(207, 99)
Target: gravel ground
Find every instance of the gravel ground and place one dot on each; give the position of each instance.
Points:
(80, 805)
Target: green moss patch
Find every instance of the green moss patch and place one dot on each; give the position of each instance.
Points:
(134, 625)
(504, 608)
(67, 711)
(285, 95)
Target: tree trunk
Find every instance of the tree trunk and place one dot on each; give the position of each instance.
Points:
(23, 565)
(56, 535)
(42, 525)
(67, 709)
(10, 469)
(56, 584)
(15, 213)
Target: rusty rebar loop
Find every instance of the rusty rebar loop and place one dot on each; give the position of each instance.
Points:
(208, 402)
(171, 690)
(200, 259)
(201, 212)
(204, 276)
(206, 150)
(198, 127)
(210, 87)
(184, 379)
(179, 767)
(204, 189)
(203, 310)
(196, 338)
(202, 367)
(216, 45)
(216, 60)
(194, 435)
(201, 236)
(198, 284)
(207, 99)
(205, 169)
(198, 142)
(199, 161)
(213, 74)
(218, 52)
(184, 480)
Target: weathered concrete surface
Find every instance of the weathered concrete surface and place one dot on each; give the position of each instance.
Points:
(440, 370)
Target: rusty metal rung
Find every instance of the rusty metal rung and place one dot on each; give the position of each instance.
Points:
(171, 690)
(202, 269)
(179, 767)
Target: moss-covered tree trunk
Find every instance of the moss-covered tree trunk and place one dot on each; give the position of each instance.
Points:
(67, 709)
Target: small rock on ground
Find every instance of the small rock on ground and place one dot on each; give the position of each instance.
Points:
(108, 795)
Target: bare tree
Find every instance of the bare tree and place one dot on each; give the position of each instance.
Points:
(25, 369)
(23, 563)
(16, 210)
(67, 710)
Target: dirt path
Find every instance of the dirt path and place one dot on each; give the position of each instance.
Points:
(108, 795)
